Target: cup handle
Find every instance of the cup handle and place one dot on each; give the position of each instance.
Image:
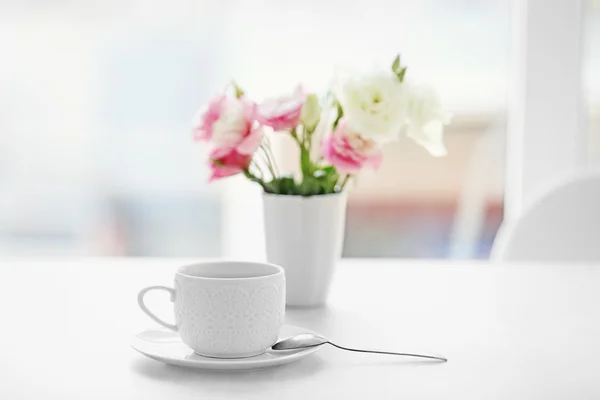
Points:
(150, 313)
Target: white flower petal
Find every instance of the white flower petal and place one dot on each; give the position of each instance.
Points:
(374, 105)
(430, 137)
(231, 126)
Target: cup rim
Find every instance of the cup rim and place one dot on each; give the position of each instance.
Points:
(279, 270)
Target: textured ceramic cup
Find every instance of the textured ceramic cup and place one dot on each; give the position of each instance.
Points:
(226, 309)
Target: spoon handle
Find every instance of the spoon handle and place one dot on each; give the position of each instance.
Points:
(389, 352)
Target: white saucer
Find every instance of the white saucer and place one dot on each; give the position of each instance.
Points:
(164, 345)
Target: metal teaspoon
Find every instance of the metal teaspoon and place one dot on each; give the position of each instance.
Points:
(306, 340)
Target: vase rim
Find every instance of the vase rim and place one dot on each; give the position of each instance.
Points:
(338, 194)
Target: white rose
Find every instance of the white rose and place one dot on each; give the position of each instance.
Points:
(426, 119)
(373, 105)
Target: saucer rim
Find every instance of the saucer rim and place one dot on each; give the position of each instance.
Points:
(213, 363)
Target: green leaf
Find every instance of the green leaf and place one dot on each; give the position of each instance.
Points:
(319, 174)
(311, 187)
(270, 187)
(330, 169)
(326, 178)
(321, 181)
(398, 69)
(286, 185)
(396, 64)
(238, 91)
(401, 74)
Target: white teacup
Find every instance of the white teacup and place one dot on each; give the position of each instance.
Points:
(226, 309)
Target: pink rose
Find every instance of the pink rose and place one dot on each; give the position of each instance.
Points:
(226, 121)
(284, 112)
(349, 152)
(232, 160)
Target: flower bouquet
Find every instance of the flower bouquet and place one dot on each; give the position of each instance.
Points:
(337, 136)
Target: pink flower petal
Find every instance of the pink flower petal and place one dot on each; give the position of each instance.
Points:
(251, 142)
(227, 162)
(223, 172)
(282, 113)
(349, 152)
(205, 118)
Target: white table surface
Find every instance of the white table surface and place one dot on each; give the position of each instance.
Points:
(510, 332)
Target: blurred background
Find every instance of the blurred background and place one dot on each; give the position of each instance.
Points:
(97, 98)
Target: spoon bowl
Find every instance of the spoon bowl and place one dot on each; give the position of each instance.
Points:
(300, 341)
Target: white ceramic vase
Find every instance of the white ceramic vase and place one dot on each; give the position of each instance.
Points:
(305, 235)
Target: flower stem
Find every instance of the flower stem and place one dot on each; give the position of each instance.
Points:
(295, 136)
(345, 181)
(254, 178)
(309, 143)
(267, 160)
(305, 162)
(258, 169)
(251, 176)
(272, 156)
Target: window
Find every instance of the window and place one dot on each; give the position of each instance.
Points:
(592, 77)
(97, 98)
(96, 155)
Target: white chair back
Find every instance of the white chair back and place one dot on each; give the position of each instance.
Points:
(561, 224)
